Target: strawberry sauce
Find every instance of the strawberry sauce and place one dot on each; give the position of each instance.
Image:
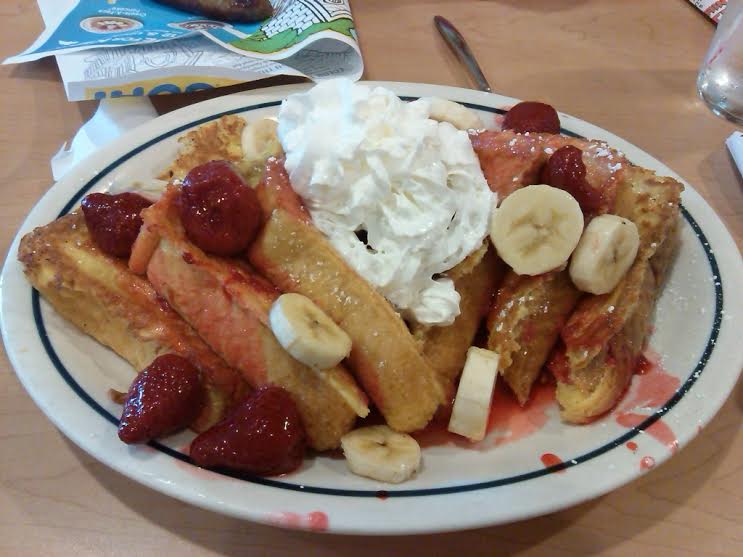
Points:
(652, 387)
(316, 521)
(647, 462)
(549, 459)
(659, 430)
(511, 422)
(508, 421)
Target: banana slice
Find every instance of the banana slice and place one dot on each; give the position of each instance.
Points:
(471, 411)
(605, 252)
(357, 403)
(260, 139)
(307, 333)
(459, 116)
(536, 228)
(382, 454)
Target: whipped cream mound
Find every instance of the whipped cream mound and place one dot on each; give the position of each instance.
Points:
(399, 195)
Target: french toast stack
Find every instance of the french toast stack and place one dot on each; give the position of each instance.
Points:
(296, 257)
(227, 304)
(172, 297)
(605, 335)
(101, 296)
(592, 342)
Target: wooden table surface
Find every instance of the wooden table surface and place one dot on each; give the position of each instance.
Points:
(629, 67)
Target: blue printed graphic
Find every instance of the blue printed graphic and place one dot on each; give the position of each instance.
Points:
(126, 22)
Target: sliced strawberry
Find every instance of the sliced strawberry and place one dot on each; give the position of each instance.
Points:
(114, 220)
(165, 397)
(219, 211)
(566, 170)
(264, 435)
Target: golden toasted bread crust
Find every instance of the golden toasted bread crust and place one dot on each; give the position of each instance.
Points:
(605, 335)
(596, 387)
(296, 257)
(524, 324)
(217, 140)
(98, 294)
(476, 280)
(652, 203)
(227, 303)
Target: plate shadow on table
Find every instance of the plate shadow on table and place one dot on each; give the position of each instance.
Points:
(595, 525)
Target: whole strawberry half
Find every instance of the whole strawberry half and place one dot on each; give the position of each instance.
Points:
(114, 220)
(219, 211)
(165, 397)
(566, 170)
(530, 116)
(264, 435)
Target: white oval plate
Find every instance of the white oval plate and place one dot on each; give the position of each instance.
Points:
(68, 374)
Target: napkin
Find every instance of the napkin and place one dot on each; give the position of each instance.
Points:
(735, 146)
(113, 118)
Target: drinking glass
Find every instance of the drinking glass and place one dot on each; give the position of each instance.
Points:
(720, 81)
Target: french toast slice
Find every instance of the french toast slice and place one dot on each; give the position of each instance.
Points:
(222, 139)
(652, 203)
(614, 327)
(509, 160)
(593, 389)
(97, 293)
(475, 279)
(217, 140)
(296, 257)
(512, 160)
(524, 323)
(227, 303)
(529, 312)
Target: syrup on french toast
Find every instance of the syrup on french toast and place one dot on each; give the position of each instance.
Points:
(97, 293)
(212, 306)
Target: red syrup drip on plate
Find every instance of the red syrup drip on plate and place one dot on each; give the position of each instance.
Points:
(647, 462)
(632, 446)
(643, 366)
(659, 430)
(652, 388)
(549, 459)
(511, 422)
(316, 521)
(508, 422)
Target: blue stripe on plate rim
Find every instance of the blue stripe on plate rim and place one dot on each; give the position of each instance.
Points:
(631, 433)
